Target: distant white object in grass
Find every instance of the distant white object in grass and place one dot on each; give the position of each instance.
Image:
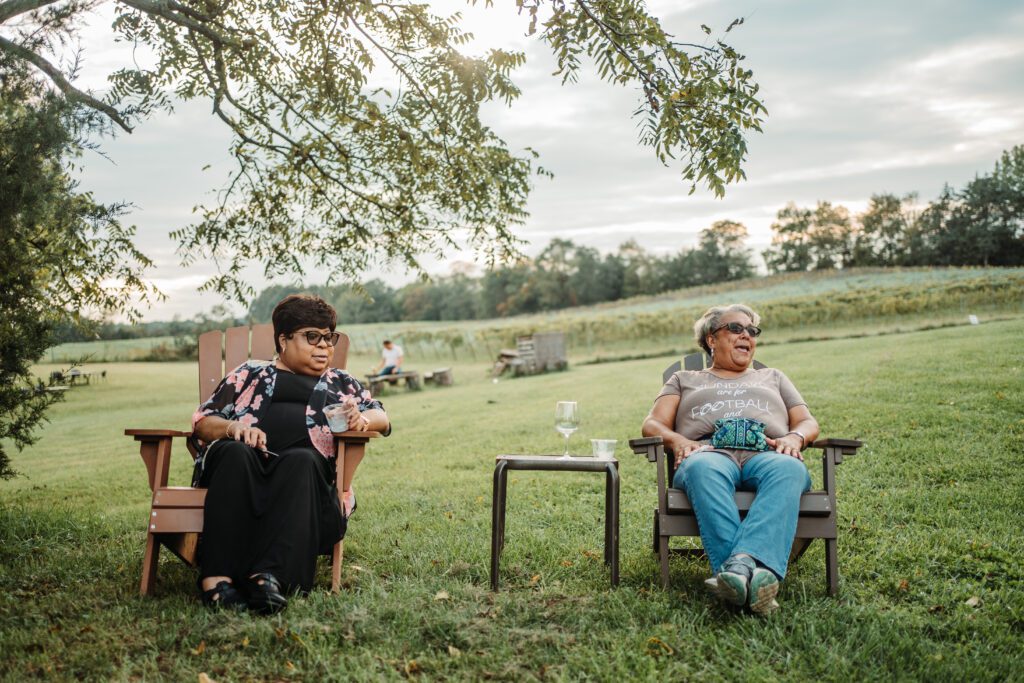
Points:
(494, 381)
(973, 319)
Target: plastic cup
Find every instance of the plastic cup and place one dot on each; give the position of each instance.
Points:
(603, 449)
(336, 419)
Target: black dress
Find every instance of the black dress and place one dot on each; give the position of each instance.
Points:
(271, 513)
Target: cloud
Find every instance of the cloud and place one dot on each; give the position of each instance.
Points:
(959, 86)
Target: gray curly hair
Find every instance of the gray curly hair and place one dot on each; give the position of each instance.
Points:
(712, 319)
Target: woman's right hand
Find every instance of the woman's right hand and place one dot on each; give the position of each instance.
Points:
(247, 434)
(683, 448)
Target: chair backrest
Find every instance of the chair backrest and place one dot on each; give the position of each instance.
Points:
(696, 361)
(221, 352)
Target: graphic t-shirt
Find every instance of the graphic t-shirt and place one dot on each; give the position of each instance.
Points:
(765, 395)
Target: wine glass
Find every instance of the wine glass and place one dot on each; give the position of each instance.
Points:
(567, 421)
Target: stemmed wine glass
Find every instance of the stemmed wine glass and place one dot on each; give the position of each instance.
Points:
(567, 421)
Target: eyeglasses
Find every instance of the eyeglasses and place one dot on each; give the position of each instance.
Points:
(737, 328)
(314, 338)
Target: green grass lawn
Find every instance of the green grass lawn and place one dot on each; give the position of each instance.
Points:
(930, 543)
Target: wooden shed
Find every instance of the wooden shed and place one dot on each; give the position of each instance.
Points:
(541, 352)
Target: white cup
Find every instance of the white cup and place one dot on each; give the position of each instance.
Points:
(604, 449)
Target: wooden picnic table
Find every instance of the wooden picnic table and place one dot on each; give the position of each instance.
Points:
(74, 374)
(377, 382)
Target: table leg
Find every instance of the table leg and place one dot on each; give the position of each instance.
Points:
(498, 519)
(612, 514)
(607, 517)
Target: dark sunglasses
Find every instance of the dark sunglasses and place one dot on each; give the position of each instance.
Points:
(737, 328)
(314, 337)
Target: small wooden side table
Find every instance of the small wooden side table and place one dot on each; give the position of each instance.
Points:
(555, 463)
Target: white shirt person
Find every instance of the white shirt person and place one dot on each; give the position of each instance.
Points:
(391, 358)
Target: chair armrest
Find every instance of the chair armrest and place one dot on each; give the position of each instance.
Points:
(842, 443)
(835, 449)
(354, 436)
(141, 434)
(650, 446)
(640, 445)
(155, 449)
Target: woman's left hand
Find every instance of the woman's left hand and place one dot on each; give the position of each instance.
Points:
(356, 420)
(790, 444)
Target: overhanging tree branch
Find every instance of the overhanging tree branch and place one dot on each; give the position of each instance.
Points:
(70, 91)
(13, 8)
(165, 11)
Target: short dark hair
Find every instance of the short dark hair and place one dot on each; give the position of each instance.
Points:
(386, 341)
(296, 311)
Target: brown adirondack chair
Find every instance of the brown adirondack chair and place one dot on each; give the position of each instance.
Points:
(674, 515)
(176, 515)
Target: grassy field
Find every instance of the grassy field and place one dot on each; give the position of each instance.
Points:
(930, 547)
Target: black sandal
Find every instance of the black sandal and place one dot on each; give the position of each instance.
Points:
(264, 591)
(223, 595)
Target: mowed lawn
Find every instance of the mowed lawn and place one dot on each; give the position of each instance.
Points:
(930, 546)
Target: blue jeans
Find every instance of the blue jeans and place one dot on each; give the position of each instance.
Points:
(710, 479)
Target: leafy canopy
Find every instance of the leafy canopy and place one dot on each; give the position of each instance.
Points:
(61, 250)
(356, 125)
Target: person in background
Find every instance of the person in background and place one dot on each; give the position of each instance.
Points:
(390, 359)
(266, 459)
(733, 427)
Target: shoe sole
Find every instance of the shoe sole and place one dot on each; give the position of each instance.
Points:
(268, 604)
(730, 588)
(762, 595)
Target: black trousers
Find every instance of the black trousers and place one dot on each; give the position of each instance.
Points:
(271, 515)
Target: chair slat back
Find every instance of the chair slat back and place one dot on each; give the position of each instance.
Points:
(263, 341)
(221, 352)
(211, 364)
(236, 347)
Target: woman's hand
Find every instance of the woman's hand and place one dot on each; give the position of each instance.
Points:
(684, 448)
(357, 422)
(788, 444)
(247, 434)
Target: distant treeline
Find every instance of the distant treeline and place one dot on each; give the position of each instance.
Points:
(564, 274)
(217, 318)
(979, 225)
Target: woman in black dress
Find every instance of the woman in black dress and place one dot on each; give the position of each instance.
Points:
(266, 459)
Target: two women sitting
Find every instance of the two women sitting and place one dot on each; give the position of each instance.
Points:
(266, 459)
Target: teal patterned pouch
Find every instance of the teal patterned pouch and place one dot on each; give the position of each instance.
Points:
(739, 432)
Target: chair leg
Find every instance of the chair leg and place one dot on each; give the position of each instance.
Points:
(150, 562)
(663, 558)
(799, 548)
(657, 532)
(832, 566)
(337, 557)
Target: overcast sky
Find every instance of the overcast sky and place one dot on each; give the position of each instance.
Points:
(862, 97)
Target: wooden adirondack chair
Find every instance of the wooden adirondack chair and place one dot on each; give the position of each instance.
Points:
(674, 515)
(176, 515)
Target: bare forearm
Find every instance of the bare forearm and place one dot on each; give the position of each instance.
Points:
(377, 420)
(213, 427)
(654, 427)
(808, 427)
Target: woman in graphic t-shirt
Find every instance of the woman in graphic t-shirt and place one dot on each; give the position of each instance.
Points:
(748, 556)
